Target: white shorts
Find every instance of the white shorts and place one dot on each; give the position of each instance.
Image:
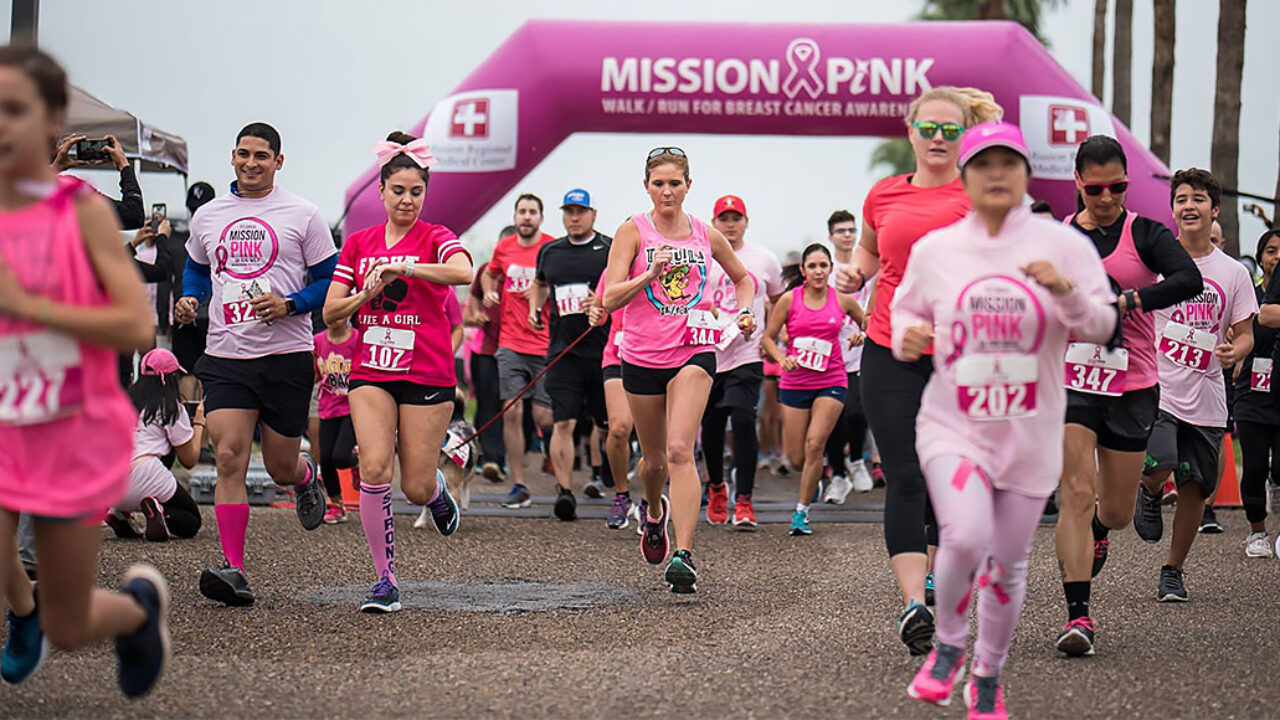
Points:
(148, 477)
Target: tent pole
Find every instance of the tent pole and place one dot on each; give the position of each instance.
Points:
(25, 21)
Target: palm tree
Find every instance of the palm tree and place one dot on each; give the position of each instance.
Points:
(1162, 78)
(1224, 156)
(1098, 84)
(895, 156)
(1122, 63)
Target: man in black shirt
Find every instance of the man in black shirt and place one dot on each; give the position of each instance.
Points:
(569, 269)
(129, 208)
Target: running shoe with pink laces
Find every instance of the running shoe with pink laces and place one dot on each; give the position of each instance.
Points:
(335, 514)
(985, 698)
(937, 678)
(717, 504)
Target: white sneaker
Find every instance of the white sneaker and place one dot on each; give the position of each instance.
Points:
(837, 490)
(1258, 546)
(862, 481)
(1273, 498)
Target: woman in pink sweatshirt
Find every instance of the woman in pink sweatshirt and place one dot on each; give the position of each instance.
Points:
(1003, 289)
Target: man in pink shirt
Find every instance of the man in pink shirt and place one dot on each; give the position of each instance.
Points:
(735, 393)
(1195, 339)
(264, 258)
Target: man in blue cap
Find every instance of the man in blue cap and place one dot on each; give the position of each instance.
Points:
(569, 269)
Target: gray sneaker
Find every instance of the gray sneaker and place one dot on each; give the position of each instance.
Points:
(1147, 519)
(594, 488)
(226, 585)
(1171, 589)
(310, 501)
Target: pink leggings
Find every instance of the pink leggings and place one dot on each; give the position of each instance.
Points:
(986, 535)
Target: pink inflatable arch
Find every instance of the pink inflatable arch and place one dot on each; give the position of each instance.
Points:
(551, 79)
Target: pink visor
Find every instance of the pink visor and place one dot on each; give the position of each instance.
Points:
(992, 134)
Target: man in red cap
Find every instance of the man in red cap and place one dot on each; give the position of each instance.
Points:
(739, 371)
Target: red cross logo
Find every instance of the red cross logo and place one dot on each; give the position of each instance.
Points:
(470, 119)
(1068, 125)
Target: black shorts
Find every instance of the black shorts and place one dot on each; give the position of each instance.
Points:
(409, 393)
(277, 386)
(1121, 423)
(737, 389)
(1190, 451)
(576, 384)
(638, 380)
(611, 372)
(189, 341)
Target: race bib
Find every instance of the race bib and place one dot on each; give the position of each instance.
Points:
(1187, 346)
(1095, 370)
(388, 349)
(41, 378)
(702, 328)
(237, 300)
(1260, 375)
(811, 353)
(519, 278)
(729, 331)
(995, 386)
(571, 298)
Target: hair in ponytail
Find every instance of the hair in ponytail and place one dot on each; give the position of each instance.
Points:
(977, 106)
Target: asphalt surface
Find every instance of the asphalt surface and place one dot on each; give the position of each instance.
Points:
(531, 617)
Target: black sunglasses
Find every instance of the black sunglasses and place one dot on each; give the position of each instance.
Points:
(666, 151)
(1095, 189)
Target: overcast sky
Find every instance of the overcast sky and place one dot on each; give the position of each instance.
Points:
(336, 75)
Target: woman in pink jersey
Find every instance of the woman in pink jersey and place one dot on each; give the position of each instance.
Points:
(335, 353)
(814, 384)
(69, 299)
(1004, 289)
(395, 277)
(617, 444)
(657, 273)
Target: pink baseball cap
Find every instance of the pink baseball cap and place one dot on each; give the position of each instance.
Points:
(160, 362)
(992, 134)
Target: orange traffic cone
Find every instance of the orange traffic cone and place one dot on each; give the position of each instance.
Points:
(350, 495)
(1229, 485)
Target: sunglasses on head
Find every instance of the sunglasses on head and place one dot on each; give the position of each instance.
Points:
(1095, 189)
(666, 151)
(950, 131)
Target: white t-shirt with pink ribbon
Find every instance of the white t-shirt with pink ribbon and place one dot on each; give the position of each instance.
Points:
(255, 246)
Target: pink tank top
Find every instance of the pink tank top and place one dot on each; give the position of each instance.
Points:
(1125, 266)
(813, 339)
(670, 321)
(66, 426)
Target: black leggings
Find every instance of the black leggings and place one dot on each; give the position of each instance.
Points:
(746, 446)
(891, 393)
(181, 514)
(850, 429)
(1260, 451)
(337, 441)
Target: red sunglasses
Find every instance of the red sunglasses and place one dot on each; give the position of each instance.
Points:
(1095, 189)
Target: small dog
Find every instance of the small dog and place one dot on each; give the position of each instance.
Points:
(457, 463)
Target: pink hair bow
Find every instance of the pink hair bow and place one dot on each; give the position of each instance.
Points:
(418, 151)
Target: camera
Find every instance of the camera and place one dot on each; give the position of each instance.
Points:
(159, 213)
(92, 150)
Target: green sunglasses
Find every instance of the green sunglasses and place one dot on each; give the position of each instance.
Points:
(950, 131)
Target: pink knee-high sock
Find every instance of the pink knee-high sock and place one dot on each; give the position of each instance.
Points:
(379, 528)
(1003, 582)
(233, 523)
(962, 503)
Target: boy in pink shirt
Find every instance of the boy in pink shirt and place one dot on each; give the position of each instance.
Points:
(1004, 289)
(1193, 346)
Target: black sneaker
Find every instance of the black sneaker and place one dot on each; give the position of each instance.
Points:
(1171, 589)
(1101, 548)
(226, 585)
(157, 528)
(1076, 639)
(1147, 519)
(915, 628)
(144, 653)
(122, 525)
(681, 576)
(1209, 524)
(566, 507)
(444, 509)
(311, 503)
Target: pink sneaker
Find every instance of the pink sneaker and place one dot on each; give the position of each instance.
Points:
(942, 669)
(985, 698)
(335, 514)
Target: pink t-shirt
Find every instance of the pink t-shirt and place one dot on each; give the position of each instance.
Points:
(333, 365)
(255, 246)
(996, 395)
(767, 274)
(405, 330)
(156, 440)
(1191, 387)
(669, 321)
(813, 339)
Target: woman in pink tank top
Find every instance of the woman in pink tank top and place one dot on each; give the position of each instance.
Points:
(657, 274)
(69, 298)
(814, 384)
(396, 278)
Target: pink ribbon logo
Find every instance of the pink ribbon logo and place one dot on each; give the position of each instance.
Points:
(802, 56)
(221, 255)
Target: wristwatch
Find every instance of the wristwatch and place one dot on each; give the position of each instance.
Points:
(1130, 301)
(290, 306)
